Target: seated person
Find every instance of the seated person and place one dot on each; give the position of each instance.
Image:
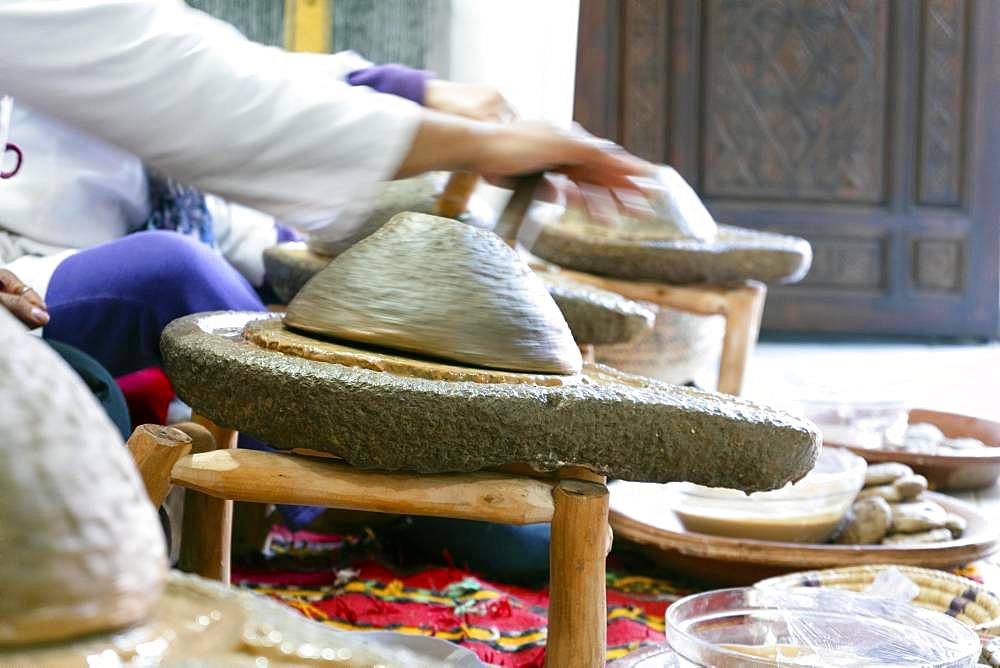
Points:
(277, 132)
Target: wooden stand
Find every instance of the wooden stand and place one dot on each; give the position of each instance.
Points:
(741, 305)
(577, 601)
(155, 450)
(208, 520)
(575, 501)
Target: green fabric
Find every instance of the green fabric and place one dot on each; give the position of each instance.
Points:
(391, 31)
(260, 20)
(100, 382)
(410, 32)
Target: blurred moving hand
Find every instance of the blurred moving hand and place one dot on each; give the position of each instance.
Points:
(480, 103)
(498, 152)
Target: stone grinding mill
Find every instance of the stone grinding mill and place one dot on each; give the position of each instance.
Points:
(436, 369)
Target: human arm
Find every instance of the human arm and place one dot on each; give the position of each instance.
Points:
(199, 103)
(203, 105)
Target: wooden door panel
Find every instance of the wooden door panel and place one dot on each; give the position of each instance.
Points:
(794, 101)
(867, 126)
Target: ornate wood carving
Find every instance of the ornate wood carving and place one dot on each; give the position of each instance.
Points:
(847, 264)
(644, 122)
(795, 98)
(938, 265)
(942, 83)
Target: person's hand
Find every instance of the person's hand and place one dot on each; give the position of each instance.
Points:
(26, 305)
(525, 148)
(481, 103)
(499, 152)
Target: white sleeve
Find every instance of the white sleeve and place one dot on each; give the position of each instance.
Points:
(336, 65)
(242, 236)
(198, 102)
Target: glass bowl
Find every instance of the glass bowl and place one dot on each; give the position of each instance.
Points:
(858, 422)
(749, 627)
(808, 511)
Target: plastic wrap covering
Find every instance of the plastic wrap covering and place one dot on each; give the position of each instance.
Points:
(814, 627)
(204, 624)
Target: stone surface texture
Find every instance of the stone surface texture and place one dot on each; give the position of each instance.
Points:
(439, 288)
(81, 549)
(594, 316)
(620, 425)
(734, 255)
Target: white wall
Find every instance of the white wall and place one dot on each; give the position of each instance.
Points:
(526, 48)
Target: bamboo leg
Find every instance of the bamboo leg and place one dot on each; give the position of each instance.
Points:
(745, 308)
(208, 521)
(577, 601)
(155, 450)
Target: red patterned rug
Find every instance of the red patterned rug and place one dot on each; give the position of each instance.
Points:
(344, 581)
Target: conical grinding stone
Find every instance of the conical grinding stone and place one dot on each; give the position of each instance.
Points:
(81, 549)
(439, 288)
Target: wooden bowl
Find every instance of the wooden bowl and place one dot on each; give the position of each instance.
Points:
(636, 516)
(959, 472)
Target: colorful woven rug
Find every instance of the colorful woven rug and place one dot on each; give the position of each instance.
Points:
(344, 582)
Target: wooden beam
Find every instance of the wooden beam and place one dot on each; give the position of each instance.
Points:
(746, 306)
(308, 25)
(264, 477)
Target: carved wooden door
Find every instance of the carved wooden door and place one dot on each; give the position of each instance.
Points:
(870, 127)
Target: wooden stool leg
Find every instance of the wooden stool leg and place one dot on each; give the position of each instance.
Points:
(577, 601)
(744, 310)
(208, 521)
(155, 450)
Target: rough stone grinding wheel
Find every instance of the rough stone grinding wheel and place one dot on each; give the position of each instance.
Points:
(81, 550)
(440, 288)
(621, 425)
(682, 245)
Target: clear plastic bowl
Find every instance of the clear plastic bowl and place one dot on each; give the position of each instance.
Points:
(814, 627)
(808, 511)
(856, 423)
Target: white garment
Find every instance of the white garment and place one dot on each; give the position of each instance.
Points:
(77, 191)
(193, 99)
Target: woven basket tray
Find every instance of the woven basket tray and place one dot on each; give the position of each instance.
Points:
(962, 598)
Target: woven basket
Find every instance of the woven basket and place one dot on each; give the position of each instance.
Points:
(962, 598)
(682, 347)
